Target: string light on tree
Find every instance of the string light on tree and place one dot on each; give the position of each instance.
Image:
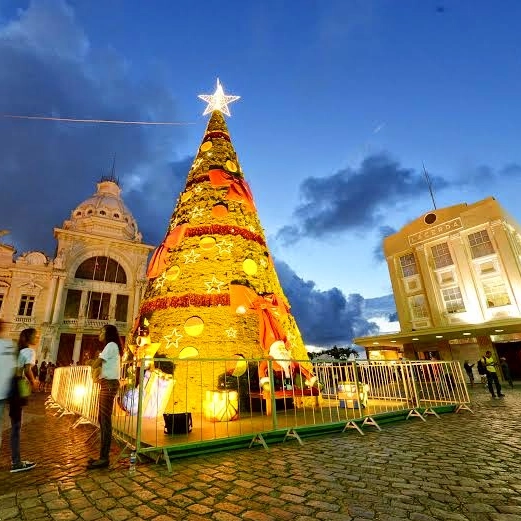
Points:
(160, 281)
(218, 100)
(173, 339)
(196, 212)
(214, 285)
(231, 332)
(225, 246)
(192, 257)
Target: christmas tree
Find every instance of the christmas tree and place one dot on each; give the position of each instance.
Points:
(212, 290)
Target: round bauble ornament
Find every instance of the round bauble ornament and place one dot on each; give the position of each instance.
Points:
(206, 146)
(207, 243)
(219, 210)
(173, 272)
(231, 166)
(249, 266)
(194, 326)
(186, 196)
(189, 352)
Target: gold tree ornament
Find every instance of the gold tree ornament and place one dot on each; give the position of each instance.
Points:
(194, 326)
(218, 100)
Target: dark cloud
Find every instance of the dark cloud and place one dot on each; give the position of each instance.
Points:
(354, 199)
(511, 170)
(159, 190)
(383, 232)
(325, 318)
(49, 67)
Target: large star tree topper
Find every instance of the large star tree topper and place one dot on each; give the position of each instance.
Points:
(218, 100)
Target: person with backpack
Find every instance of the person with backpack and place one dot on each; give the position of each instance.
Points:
(492, 378)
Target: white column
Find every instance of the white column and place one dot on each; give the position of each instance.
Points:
(59, 301)
(50, 300)
(112, 308)
(83, 304)
(137, 300)
(77, 348)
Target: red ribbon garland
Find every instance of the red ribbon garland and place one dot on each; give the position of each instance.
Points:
(158, 261)
(238, 189)
(268, 307)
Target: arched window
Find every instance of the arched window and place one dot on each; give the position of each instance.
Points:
(101, 268)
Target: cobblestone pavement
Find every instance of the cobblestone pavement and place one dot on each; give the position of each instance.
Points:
(461, 467)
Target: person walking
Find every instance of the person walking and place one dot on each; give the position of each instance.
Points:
(506, 371)
(110, 361)
(42, 375)
(468, 369)
(7, 367)
(25, 361)
(492, 378)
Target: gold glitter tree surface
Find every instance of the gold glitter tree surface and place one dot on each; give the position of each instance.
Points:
(212, 290)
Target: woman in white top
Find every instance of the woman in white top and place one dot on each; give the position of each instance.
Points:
(110, 362)
(26, 356)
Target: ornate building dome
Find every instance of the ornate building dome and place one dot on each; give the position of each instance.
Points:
(105, 213)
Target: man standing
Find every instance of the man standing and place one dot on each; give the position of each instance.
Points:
(492, 378)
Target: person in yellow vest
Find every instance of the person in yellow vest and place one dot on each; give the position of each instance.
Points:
(491, 366)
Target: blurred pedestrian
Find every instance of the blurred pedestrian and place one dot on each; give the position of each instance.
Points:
(506, 371)
(110, 361)
(25, 362)
(7, 366)
(468, 369)
(42, 375)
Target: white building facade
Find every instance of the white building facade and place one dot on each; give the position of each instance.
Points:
(97, 278)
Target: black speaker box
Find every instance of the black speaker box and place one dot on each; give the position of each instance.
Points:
(179, 423)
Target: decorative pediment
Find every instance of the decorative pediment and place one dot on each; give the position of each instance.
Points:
(34, 258)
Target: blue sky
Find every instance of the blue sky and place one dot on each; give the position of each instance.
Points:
(341, 103)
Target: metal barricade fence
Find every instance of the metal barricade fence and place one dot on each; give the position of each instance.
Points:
(180, 406)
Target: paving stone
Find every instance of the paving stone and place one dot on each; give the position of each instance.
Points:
(402, 472)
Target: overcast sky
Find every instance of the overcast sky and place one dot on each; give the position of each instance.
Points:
(341, 103)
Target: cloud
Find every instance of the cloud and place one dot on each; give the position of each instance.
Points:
(383, 232)
(325, 318)
(353, 199)
(154, 193)
(51, 68)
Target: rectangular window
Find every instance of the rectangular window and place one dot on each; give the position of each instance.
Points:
(408, 264)
(26, 306)
(72, 304)
(495, 293)
(453, 300)
(480, 244)
(121, 308)
(418, 307)
(441, 255)
(98, 305)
